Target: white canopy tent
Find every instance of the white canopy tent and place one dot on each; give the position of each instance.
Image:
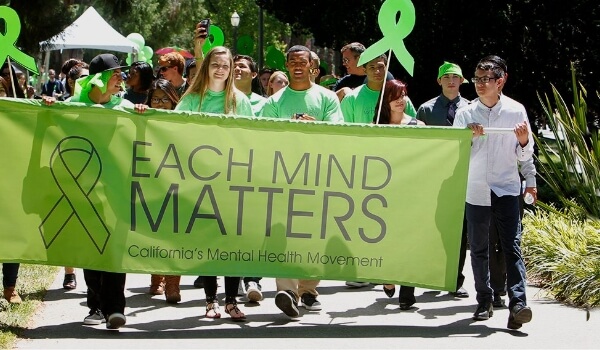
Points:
(89, 31)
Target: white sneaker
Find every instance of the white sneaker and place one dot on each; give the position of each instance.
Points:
(94, 318)
(357, 284)
(115, 321)
(253, 292)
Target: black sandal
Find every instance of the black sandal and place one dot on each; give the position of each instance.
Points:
(70, 281)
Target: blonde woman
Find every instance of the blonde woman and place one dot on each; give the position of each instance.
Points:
(277, 81)
(213, 91)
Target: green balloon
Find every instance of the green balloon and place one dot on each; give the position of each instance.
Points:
(245, 45)
(148, 52)
(275, 58)
(215, 38)
(128, 59)
(137, 39)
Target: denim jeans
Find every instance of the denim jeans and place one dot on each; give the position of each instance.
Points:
(506, 212)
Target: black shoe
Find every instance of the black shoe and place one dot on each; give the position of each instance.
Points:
(286, 302)
(483, 312)
(460, 293)
(199, 282)
(406, 303)
(519, 314)
(389, 292)
(498, 302)
(70, 282)
(310, 302)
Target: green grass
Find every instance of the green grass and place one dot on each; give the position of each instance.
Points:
(32, 284)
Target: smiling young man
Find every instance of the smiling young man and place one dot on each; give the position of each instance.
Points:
(105, 290)
(303, 100)
(494, 187)
(302, 96)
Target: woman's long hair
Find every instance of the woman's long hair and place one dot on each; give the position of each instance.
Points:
(146, 74)
(394, 89)
(200, 83)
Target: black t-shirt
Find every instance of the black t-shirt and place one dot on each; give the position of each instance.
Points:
(53, 86)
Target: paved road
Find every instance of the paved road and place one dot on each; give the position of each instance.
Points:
(351, 318)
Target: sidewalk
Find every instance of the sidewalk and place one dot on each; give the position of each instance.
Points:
(351, 318)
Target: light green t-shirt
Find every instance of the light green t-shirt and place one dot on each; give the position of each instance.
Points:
(257, 102)
(359, 105)
(410, 108)
(115, 102)
(214, 102)
(316, 101)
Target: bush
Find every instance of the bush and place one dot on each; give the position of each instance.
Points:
(569, 164)
(562, 253)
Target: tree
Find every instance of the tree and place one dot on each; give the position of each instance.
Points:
(538, 39)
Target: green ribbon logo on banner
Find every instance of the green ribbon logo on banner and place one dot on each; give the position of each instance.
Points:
(76, 168)
(9, 39)
(393, 33)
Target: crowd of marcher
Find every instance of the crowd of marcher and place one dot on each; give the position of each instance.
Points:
(223, 83)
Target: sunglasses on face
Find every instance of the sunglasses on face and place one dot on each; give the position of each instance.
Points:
(164, 68)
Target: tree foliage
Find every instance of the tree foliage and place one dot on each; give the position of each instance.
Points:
(538, 39)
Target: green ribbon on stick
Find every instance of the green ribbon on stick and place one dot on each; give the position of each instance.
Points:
(9, 39)
(393, 33)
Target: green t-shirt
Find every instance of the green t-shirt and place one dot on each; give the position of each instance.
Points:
(114, 103)
(257, 102)
(316, 101)
(359, 105)
(410, 108)
(214, 102)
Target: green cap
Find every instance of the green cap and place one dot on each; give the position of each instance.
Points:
(450, 68)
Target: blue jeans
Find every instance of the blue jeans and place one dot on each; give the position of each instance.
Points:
(506, 211)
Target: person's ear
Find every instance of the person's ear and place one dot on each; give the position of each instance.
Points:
(254, 75)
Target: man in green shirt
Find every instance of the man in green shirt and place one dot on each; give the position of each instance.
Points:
(359, 105)
(244, 75)
(302, 99)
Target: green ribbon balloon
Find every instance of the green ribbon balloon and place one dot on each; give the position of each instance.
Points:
(393, 33)
(215, 38)
(8, 41)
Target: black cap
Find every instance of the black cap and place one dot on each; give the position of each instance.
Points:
(104, 62)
